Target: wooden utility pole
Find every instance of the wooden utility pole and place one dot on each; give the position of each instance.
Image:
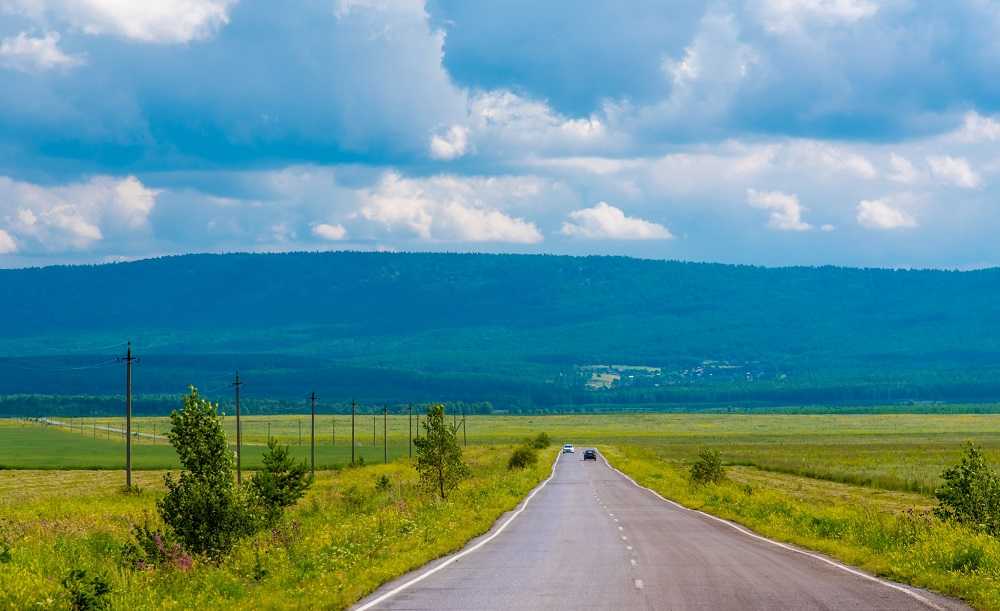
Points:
(374, 420)
(333, 430)
(410, 443)
(465, 437)
(128, 360)
(354, 410)
(312, 434)
(385, 434)
(239, 436)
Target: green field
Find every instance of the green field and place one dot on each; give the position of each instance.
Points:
(903, 452)
(857, 487)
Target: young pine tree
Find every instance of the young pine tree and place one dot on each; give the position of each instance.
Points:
(281, 483)
(439, 456)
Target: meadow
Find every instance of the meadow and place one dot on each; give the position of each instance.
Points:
(857, 487)
(904, 452)
(340, 542)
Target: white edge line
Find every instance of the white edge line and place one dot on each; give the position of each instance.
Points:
(754, 535)
(464, 552)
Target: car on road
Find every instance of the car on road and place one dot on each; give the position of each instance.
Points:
(590, 454)
(568, 449)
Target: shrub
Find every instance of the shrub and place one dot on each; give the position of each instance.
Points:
(522, 458)
(153, 548)
(203, 507)
(439, 457)
(382, 484)
(541, 441)
(708, 468)
(87, 592)
(971, 493)
(5, 552)
(280, 483)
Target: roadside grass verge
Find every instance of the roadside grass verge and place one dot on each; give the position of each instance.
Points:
(342, 541)
(881, 536)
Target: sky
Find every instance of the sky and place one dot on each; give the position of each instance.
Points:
(766, 132)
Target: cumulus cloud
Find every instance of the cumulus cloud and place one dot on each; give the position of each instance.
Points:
(977, 128)
(7, 243)
(880, 214)
(786, 212)
(606, 222)
(33, 54)
(448, 209)
(329, 232)
(829, 158)
(74, 216)
(156, 21)
(955, 171)
(903, 170)
(793, 15)
(451, 144)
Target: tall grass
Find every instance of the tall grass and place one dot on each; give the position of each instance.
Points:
(345, 538)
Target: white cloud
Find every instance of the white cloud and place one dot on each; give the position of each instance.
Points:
(706, 78)
(447, 208)
(977, 128)
(879, 214)
(828, 228)
(451, 145)
(75, 216)
(158, 21)
(7, 243)
(28, 54)
(332, 233)
(784, 16)
(824, 157)
(606, 222)
(902, 170)
(955, 171)
(786, 212)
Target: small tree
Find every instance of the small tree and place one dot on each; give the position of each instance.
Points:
(203, 507)
(708, 468)
(439, 456)
(971, 493)
(281, 483)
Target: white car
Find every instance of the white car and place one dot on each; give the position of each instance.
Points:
(568, 449)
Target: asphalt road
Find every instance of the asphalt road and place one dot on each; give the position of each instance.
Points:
(592, 539)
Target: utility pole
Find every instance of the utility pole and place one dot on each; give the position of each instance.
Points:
(269, 431)
(239, 436)
(410, 443)
(353, 411)
(312, 434)
(128, 360)
(385, 434)
(465, 436)
(374, 418)
(333, 430)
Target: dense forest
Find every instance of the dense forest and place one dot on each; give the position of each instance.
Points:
(515, 332)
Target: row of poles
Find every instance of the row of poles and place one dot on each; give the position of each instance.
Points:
(237, 384)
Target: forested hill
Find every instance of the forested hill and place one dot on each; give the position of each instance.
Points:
(512, 329)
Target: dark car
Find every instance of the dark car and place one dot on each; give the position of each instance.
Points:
(590, 454)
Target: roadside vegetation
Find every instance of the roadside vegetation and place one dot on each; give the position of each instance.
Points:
(68, 544)
(899, 536)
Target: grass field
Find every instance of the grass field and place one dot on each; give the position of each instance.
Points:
(902, 452)
(339, 543)
(857, 487)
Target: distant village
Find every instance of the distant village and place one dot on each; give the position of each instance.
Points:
(603, 377)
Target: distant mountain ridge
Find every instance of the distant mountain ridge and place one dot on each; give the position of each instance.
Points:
(511, 329)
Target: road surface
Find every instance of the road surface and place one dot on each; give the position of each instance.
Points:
(590, 538)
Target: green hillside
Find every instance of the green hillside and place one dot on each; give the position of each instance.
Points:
(517, 331)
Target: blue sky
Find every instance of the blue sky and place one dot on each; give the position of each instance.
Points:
(774, 132)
